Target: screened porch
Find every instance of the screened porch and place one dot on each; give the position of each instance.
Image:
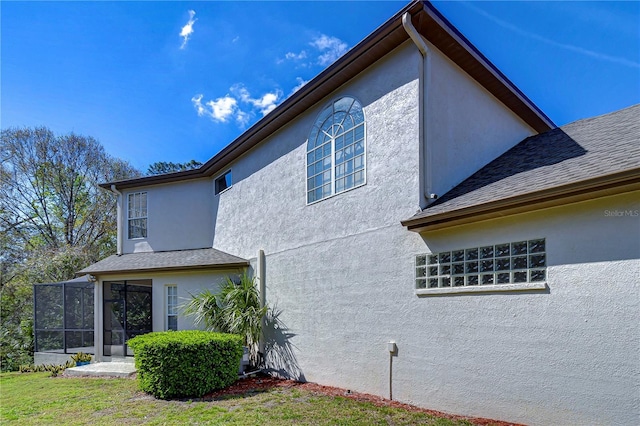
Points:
(64, 316)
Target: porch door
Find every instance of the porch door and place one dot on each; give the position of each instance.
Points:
(127, 313)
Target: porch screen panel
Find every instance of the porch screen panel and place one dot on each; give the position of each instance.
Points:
(64, 317)
(49, 315)
(113, 320)
(127, 313)
(138, 316)
(78, 305)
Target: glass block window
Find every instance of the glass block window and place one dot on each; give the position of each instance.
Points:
(137, 218)
(336, 150)
(507, 263)
(172, 307)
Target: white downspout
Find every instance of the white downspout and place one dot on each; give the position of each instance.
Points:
(260, 274)
(120, 225)
(98, 309)
(261, 277)
(424, 70)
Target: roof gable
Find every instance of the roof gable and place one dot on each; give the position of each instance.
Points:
(430, 23)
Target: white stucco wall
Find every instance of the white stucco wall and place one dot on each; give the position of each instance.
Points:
(266, 207)
(567, 356)
(467, 127)
(179, 217)
(340, 272)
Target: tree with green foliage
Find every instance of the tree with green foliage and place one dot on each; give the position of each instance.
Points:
(162, 167)
(54, 220)
(234, 309)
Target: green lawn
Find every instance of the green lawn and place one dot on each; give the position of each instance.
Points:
(35, 398)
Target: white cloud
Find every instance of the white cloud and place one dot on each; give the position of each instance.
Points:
(331, 47)
(296, 56)
(298, 86)
(187, 30)
(241, 92)
(327, 48)
(219, 110)
(265, 104)
(197, 103)
(224, 108)
(242, 118)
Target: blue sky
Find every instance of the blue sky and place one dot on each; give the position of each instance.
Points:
(175, 81)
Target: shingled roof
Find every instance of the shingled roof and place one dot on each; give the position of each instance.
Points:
(565, 164)
(208, 258)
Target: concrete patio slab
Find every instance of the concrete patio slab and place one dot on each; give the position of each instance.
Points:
(102, 369)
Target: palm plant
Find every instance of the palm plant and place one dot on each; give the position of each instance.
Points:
(235, 309)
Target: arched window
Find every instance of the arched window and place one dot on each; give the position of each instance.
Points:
(336, 150)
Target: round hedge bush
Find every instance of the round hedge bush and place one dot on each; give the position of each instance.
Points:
(186, 364)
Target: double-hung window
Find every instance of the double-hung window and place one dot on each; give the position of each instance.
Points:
(336, 150)
(137, 218)
(172, 307)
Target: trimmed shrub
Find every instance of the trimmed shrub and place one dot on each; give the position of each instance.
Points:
(187, 364)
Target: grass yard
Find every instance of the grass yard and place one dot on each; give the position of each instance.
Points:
(36, 398)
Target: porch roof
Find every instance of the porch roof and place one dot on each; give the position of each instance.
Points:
(82, 279)
(207, 258)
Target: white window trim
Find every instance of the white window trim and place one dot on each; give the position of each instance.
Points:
(221, 175)
(129, 218)
(341, 192)
(166, 306)
(333, 160)
(542, 285)
(485, 288)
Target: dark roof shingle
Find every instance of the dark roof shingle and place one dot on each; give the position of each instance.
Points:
(207, 258)
(579, 151)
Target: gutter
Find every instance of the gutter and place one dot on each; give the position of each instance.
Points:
(601, 186)
(424, 71)
(120, 225)
(98, 272)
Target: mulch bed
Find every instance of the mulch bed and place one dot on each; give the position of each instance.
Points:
(261, 383)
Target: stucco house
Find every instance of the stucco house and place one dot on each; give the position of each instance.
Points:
(422, 228)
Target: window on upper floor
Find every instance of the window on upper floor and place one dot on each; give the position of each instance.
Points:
(137, 217)
(223, 182)
(336, 150)
(509, 266)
